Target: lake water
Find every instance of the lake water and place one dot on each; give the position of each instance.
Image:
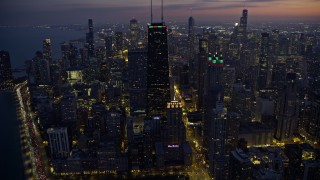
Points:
(11, 161)
(23, 42)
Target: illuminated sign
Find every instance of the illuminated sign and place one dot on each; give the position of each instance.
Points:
(173, 146)
(215, 60)
(157, 27)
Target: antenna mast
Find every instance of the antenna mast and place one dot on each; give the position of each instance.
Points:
(151, 12)
(162, 11)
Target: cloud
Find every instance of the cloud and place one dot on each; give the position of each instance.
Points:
(77, 11)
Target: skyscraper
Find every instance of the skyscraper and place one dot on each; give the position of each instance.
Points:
(243, 23)
(119, 41)
(138, 80)
(213, 92)
(175, 130)
(191, 47)
(287, 115)
(263, 62)
(65, 54)
(201, 67)
(6, 78)
(90, 39)
(158, 86)
(133, 33)
(217, 135)
(68, 108)
(108, 42)
(46, 48)
(39, 71)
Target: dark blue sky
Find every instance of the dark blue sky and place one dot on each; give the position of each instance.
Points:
(21, 12)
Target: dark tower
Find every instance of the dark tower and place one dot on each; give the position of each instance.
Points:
(158, 86)
(263, 62)
(119, 41)
(108, 42)
(47, 52)
(138, 80)
(191, 36)
(191, 49)
(6, 78)
(243, 22)
(200, 67)
(287, 113)
(90, 39)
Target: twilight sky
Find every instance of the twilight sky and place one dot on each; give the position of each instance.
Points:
(22, 12)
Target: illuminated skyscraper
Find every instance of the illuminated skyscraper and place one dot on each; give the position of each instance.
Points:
(158, 86)
(6, 78)
(90, 38)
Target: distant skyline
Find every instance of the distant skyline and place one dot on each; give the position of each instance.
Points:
(34, 12)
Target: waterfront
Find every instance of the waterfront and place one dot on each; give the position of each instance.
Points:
(11, 161)
(22, 43)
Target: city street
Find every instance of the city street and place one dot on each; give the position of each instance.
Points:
(198, 170)
(31, 147)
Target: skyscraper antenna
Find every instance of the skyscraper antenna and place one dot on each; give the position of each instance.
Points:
(151, 11)
(190, 11)
(161, 10)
